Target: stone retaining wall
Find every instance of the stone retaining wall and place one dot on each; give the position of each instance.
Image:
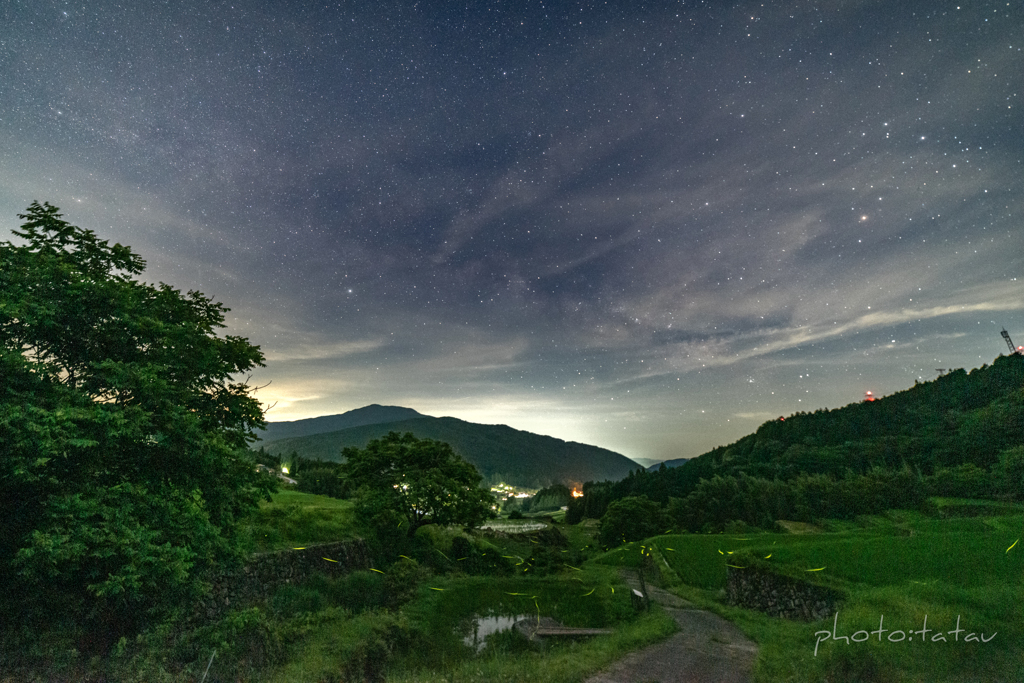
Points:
(258, 578)
(780, 596)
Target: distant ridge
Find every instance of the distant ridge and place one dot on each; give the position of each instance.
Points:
(367, 415)
(499, 452)
(675, 462)
(647, 462)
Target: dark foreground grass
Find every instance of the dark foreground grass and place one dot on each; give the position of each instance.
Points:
(568, 662)
(958, 580)
(424, 640)
(594, 598)
(360, 633)
(902, 572)
(403, 622)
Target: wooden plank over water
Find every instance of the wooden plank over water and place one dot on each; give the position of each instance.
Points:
(567, 631)
(543, 627)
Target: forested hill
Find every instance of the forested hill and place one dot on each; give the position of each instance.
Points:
(961, 434)
(499, 452)
(955, 419)
(371, 414)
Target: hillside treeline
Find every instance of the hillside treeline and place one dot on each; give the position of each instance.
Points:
(500, 453)
(961, 435)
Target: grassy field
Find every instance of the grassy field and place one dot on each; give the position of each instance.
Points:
(352, 628)
(407, 622)
(897, 570)
(293, 518)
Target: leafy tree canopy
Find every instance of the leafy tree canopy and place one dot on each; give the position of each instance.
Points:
(421, 480)
(122, 435)
(550, 498)
(633, 518)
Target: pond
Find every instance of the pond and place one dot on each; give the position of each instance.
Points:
(480, 627)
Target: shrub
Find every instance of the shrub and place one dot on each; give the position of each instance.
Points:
(476, 561)
(360, 590)
(245, 642)
(631, 519)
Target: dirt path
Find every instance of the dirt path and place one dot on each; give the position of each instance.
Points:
(707, 649)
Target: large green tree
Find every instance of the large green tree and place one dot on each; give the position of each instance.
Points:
(415, 482)
(633, 518)
(123, 435)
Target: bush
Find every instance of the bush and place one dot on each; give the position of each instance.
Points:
(368, 660)
(320, 480)
(632, 519)
(1009, 473)
(289, 601)
(245, 642)
(360, 590)
(736, 526)
(402, 580)
(963, 481)
(477, 561)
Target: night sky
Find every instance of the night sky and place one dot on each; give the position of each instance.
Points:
(645, 226)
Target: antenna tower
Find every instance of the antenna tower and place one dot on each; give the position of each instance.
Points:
(1006, 337)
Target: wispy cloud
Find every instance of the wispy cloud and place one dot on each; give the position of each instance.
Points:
(323, 351)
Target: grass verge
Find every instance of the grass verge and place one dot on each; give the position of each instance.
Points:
(293, 518)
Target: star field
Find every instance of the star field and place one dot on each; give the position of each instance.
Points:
(649, 228)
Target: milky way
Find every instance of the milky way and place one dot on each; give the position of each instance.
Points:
(648, 229)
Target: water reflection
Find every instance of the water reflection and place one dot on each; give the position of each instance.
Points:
(480, 627)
